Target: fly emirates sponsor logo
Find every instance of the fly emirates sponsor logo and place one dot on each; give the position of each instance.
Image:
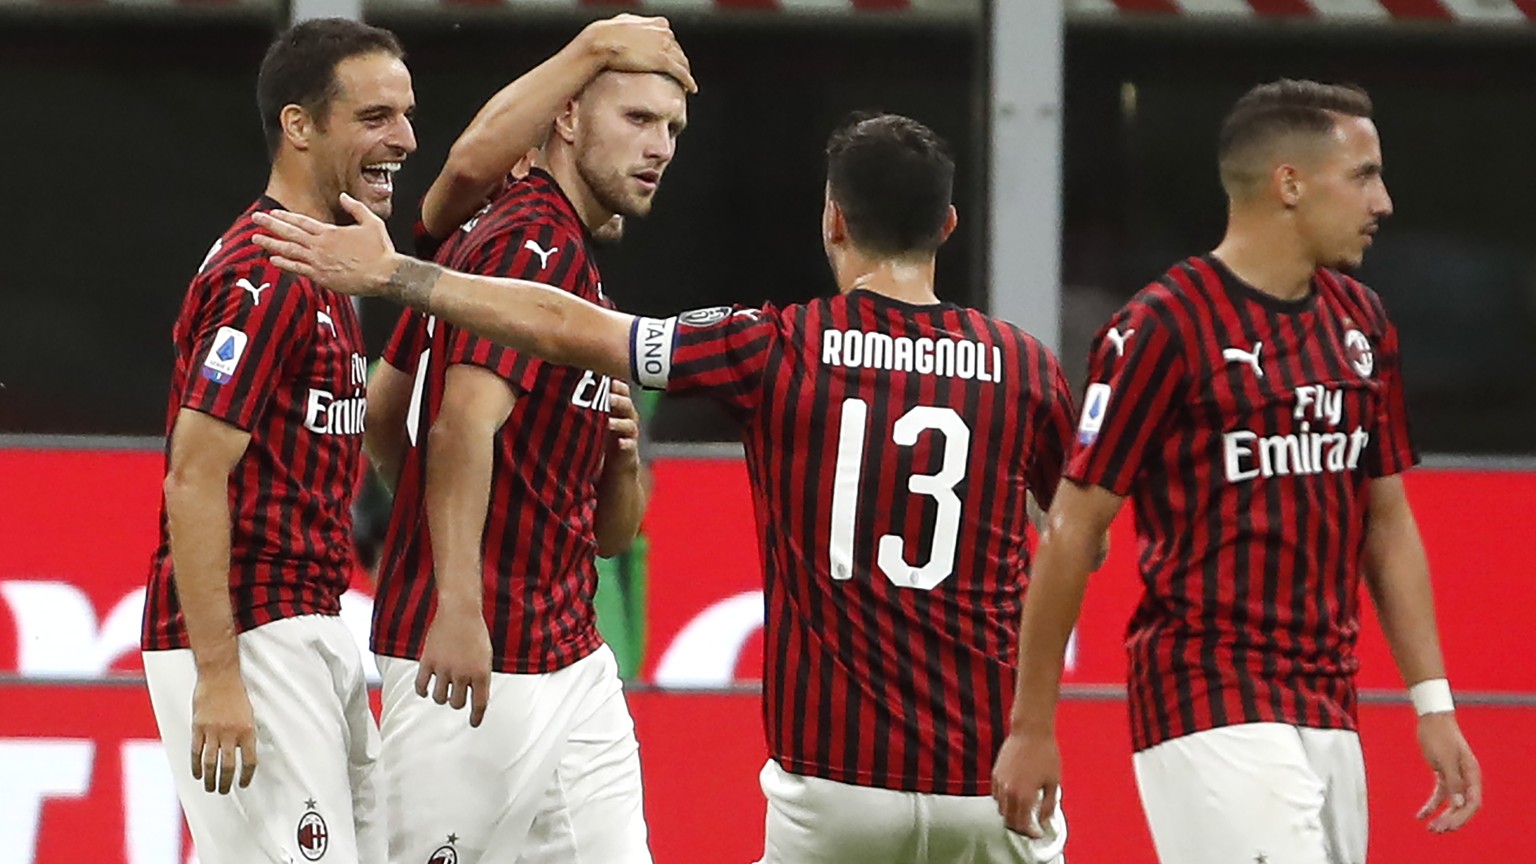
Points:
(1317, 447)
(325, 414)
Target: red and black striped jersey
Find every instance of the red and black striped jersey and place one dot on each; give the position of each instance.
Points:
(539, 547)
(890, 448)
(282, 359)
(1246, 430)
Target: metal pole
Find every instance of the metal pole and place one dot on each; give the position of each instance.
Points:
(1024, 273)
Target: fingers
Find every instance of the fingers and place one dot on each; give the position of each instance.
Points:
(1047, 808)
(199, 737)
(1436, 798)
(285, 248)
(1463, 783)
(227, 762)
(247, 758)
(458, 692)
(293, 266)
(479, 700)
(625, 429)
(359, 210)
(676, 63)
(423, 678)
(285, 223)
(1017, 808)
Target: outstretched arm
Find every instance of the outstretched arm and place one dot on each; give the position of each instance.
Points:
(546, 322)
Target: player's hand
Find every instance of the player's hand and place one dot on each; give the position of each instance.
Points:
(623, 422)
(1025, 781)
(223, 732)
(457, 652)
(1458, 779)
(630, 43)
(352, 259)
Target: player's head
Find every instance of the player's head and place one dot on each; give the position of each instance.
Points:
(335, 95)
(1311, 152)
(620, 134)
(889, 180)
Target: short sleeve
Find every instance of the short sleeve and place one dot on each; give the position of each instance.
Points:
(536, 252)
(719, 353)
(251, 321)
(407, 341)
(1136, 371)
(1391, 450)
(1052, 439)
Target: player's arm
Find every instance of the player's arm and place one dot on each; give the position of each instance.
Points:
(1397, 574)
(1070, 549)
(621, 492)
(461, 450)
(517, 118)
(384, 436)
(204, 450)
(530, 317)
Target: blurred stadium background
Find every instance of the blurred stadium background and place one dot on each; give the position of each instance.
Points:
(1085, 134)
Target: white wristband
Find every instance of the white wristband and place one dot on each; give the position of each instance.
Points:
(1432, 696)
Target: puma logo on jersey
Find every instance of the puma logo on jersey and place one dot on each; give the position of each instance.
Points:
(1238, 355)
(1118, 340)
(539, 251)
(324, 319)
(245, 285)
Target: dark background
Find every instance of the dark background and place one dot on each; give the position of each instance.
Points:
(131, 144)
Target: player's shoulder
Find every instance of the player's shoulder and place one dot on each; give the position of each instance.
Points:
(1165, 302)
(234, 264)
(1355, 298)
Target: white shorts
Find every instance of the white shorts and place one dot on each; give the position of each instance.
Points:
(314, 791)
(1256, 792)
(552, 774)
(812, 820)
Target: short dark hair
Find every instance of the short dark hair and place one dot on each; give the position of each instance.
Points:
(1270, 111)
(892, 177)
(300, 67)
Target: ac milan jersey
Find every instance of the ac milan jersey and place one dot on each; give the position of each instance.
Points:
(539, 547)
(890, 448)
(282, 359)
(1246, 430)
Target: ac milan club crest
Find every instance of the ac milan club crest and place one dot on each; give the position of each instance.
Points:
(1358, 349)
(446, 854)
(314, 838)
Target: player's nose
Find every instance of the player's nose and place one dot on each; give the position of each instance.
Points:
(403, 136)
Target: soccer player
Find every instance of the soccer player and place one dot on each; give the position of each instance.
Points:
(1250, 401)
(519, 472)
(244, 652)
(892, 440)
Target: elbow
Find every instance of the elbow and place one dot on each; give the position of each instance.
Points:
(466, 168)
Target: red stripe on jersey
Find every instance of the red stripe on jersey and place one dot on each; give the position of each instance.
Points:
(283, 360)
(539, 545)
(1246, 430)
(890, 448)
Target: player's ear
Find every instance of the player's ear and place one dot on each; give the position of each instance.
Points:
(834, 225)
(951, 219)
(1286, 180)
(565, 123)
(297, 124)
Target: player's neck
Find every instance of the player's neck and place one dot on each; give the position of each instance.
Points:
(899, 279)
(1268, 257)
(559, 163)
(289, 186)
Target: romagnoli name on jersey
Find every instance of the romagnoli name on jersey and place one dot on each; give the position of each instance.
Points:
(1248, 455)
(950, 358)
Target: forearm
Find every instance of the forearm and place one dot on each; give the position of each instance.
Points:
(1397, 574)
(546, 322)
(386, 449)
(621, 501)
(1066, 556)
(459, 466)
(511, 123)
(1070, 548)
(197, 512)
